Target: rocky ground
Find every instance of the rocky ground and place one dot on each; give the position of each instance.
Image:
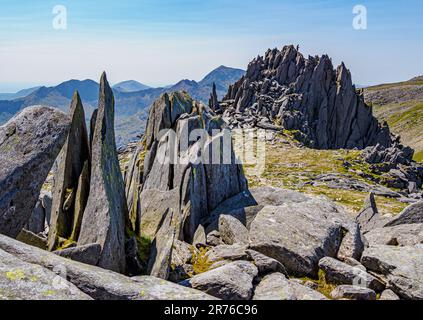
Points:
(341, 220)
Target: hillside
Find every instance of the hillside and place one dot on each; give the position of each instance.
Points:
(130, 86)
(401, 105)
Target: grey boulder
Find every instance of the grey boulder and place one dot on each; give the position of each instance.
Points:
(232, 230)
(233, 281)
(277, 287)
(298, 236)
(353, 293)
(29, 144)
(88, 254)
(340, 273)
(402, 266)
(398, 235)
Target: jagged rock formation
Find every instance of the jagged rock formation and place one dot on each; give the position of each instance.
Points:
(29, 144)
(190, 189)
(213, 101)
(72, 181)
(306, 95)
(104, 216)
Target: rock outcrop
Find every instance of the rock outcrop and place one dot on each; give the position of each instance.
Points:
(71, 182)
(307, 95)
(29, 144)
(106, 210)
(173, 173)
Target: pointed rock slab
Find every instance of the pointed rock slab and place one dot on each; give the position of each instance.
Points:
(104, 215)
(21, 280)
(161, 253)
(29, 144)
(369, 218)
(411, 214)
(98, 283)
(67, 203)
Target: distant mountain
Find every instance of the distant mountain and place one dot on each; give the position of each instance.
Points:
(221, 76)
(131, 108)
(17, 95)
(130, 86)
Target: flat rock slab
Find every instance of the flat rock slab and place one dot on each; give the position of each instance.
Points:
(277, 287)
(228, 252)
(233, 281)
(29, 144)
(87, 254)
(297, 235)
(399, 235)
(340, 273)
(353, 293)
(20, 280)
(101, 284)
(403, 267)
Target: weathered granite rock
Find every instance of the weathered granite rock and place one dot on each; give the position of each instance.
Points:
(352, 245)
(399, 235)
(402, 266)
(29, 144)
(389, 295)
(182, 253)
(340, 273)
(307, 95)
(161, 249)
(88, 254)
(99, 283)
(104, 216)
(32, 239)
(69, 204)
(298, 236)
(213, 101)
(214, 239)
(232, 230)
(411, 214)
(199, 236)
(265, 264)
(233, 281)
(36, 222)
(369, 217)
(189, 183)
(20, 280)
(353, 293)
(277, 287)
(228, 252)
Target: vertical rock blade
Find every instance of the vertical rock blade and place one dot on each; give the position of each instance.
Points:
(104, 216)
(67, 202)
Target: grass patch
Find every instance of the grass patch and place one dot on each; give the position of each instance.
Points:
(323, 286)
(200, 262)
(418, 156)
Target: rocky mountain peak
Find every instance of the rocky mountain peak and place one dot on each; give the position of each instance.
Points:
(306, 95)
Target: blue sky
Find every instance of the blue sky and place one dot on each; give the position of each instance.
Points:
(159, 42)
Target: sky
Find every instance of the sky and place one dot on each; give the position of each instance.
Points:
(160, 42)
